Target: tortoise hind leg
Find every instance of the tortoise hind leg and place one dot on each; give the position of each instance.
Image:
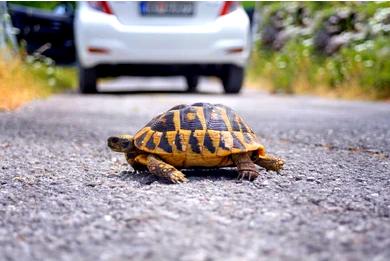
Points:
(160, 168)
(270, 163)
(245, 166)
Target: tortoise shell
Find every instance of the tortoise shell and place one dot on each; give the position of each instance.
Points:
(201, 128)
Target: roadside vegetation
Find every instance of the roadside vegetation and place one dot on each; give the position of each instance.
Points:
(339, 49)
(25, 79)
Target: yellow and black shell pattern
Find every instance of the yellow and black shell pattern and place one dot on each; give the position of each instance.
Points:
(199, 129)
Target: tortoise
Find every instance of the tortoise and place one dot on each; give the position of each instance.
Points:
(198, 135)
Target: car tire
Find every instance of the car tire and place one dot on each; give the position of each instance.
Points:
(192, 83)
(87, 80)
(232, 78)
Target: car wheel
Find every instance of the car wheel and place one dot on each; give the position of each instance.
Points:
(87, 80)
(192, 83)
(232, 78)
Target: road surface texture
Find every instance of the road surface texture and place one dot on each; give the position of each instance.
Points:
(65, 196)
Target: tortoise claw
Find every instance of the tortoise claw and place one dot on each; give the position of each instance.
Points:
(248, 174)
(177, 177)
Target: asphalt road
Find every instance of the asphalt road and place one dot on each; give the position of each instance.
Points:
(65, 196)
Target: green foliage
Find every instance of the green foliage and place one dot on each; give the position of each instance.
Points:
(46, 5)
(360, 68)
(55, 78)
(248, 4)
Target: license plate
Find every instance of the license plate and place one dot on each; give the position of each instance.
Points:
(166, 8)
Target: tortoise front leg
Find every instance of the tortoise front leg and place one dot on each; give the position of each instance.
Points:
(160, 168)
(137, 166)
(245, 166)
(270, 163)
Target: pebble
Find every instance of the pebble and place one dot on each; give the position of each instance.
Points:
(265, 183)
(107, 218)
(310, 179)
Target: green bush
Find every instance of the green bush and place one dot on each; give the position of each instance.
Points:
(360, 68)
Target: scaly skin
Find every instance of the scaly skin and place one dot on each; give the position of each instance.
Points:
(160, 168)
(270, 163)
(245, 166)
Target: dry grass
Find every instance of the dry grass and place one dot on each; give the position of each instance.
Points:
(22, 81)
(18, 84)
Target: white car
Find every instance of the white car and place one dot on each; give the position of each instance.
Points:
(189, 39)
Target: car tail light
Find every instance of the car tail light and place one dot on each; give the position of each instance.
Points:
(101, 6)
(228, 7)
(98, 50)
(235, 50)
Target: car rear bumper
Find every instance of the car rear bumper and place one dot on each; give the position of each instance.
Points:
(102, 39)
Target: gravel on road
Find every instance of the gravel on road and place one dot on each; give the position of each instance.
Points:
(65, 196)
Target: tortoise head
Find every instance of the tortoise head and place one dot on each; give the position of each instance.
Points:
(121, 143)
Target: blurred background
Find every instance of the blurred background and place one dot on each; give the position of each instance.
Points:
(333, 49)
